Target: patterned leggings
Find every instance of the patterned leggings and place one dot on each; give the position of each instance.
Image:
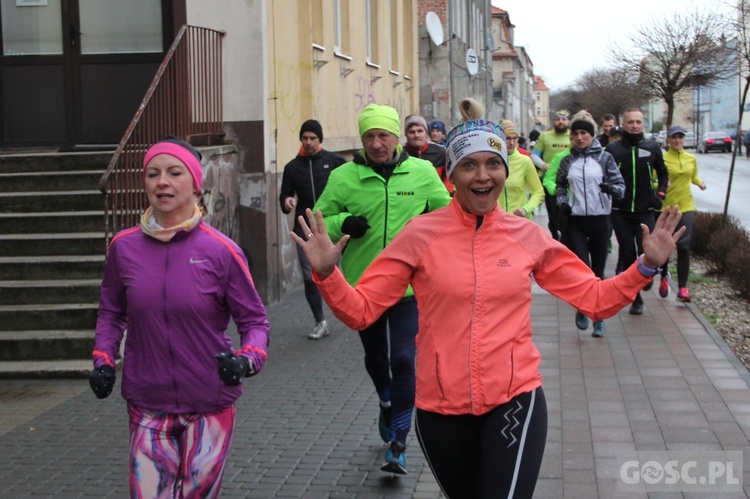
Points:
(178, 455)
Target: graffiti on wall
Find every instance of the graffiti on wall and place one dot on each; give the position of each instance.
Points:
(220, 198)
(363, 93)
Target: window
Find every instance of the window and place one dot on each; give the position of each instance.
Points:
(317, 23)
(408, 44)
(341, 26)
(393, 11)
(371, 11)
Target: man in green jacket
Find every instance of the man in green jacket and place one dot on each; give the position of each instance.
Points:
(371, 198)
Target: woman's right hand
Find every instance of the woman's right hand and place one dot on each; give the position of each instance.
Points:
(318, 247)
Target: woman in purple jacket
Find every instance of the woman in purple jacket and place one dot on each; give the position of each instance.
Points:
(173, 283)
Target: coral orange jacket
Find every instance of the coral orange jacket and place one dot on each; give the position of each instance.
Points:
(472, 279)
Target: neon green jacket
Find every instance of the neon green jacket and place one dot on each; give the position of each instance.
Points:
(550, 176)
(355, 189)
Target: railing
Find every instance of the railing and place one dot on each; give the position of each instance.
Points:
(184, 100)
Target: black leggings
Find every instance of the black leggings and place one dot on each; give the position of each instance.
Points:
(630, 236)
(588, 237)
(497, 454)
(683, 250)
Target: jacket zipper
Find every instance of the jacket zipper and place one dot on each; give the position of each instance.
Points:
(166, 323)
(312, 182)
(473, 312)
(385, 222)
(585, 193)
(632, 194)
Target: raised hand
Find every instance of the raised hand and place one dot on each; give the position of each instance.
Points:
(319, 249)
(659, 244)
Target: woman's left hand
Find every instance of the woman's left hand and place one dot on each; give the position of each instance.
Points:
(317, 245)
(659, 244)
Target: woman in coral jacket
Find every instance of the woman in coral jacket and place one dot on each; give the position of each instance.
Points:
(470, 265)
(174, 282)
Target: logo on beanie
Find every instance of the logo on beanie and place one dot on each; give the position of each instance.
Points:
(495, 144)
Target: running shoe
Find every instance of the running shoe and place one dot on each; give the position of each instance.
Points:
(683, 295)
(395, 459)
(636, 308)
(599, 330)
(664, 286)
(319, 331)
(384, 423)
(582, 322)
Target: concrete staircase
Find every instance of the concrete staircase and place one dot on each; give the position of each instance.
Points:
(51, 262)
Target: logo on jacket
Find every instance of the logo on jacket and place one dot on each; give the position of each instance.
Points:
(194, 261)
(325, 166)
(404, 193)
(503, 263)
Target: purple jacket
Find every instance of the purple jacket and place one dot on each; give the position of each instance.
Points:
(176, 299)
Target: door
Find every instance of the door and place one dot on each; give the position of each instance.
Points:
(73, 72)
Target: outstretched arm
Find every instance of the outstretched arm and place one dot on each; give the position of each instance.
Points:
(317, 245)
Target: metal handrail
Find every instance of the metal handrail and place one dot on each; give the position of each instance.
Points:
(185, 100)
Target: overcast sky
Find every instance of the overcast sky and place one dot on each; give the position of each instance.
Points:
(571, 38)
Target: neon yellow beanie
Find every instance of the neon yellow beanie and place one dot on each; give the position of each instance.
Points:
(382, 117)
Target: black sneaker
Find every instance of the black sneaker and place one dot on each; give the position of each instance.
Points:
(636, 308)
(395, 459)
(582, 322)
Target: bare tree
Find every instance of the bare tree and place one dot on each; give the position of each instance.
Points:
(602, 91)
(566, 98)
(679, 52)
(610, 91)
(739, 24)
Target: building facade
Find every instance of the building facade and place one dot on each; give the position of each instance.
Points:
(459, 67)
(513, 74)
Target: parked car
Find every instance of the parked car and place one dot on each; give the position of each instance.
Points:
(690, 142)
(715, 141)
(662, 139)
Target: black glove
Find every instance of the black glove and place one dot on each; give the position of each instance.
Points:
(607, 188)
(355, 226)
(658, 201)
(566, 209)
(232, 368)
(102, 380)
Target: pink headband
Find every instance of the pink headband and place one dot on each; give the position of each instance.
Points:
(192, 163)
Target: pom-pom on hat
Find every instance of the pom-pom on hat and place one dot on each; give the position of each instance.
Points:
(475, 136)
(311, 126)
(382, 117)
(181, 150)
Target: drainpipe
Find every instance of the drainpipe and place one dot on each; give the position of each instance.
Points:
(451, 42)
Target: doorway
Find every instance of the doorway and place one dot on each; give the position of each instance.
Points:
(73, 72)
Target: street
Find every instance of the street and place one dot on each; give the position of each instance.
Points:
(713, 168)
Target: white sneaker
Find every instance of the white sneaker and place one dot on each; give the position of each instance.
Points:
(319, 331)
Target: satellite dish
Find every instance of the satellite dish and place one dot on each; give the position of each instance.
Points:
(434, 28)
(472, 62)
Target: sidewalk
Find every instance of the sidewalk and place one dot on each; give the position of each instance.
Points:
(306, 426)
